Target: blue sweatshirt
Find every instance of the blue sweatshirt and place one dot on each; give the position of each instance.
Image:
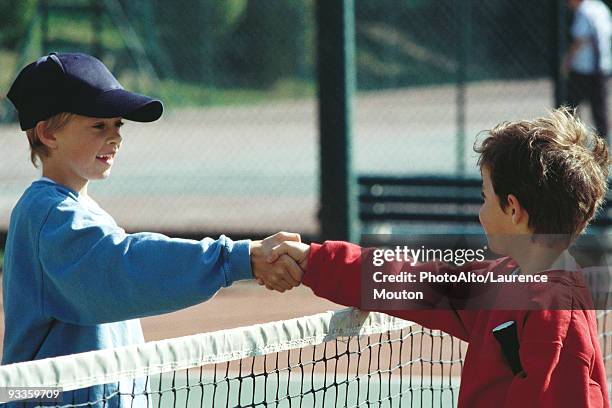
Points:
(74, 281)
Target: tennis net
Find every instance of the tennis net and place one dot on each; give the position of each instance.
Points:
(344, 358)
(341, 358)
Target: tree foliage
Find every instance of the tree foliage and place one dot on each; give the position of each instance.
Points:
(15, 16)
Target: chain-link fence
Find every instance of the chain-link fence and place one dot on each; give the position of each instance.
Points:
(237, 149)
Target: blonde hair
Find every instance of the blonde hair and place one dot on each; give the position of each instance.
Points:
(38, 150)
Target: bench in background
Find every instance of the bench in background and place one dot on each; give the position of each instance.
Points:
(429, 205)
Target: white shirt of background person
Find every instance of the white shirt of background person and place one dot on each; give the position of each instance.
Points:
(592, 19)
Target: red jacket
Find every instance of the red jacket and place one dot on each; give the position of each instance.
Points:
(559, 349)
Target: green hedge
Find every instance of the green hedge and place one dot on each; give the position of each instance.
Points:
(15, 17)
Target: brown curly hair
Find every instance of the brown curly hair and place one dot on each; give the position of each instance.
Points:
(554, 165)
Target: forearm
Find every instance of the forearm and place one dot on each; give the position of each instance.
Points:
(571, 52)
(334, 272)
(95, 276)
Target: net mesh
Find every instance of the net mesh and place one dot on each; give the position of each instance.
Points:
(343, 372)
(345, 358)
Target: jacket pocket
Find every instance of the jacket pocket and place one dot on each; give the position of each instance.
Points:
(595, 395)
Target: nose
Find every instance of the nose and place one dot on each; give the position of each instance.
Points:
(115, 139)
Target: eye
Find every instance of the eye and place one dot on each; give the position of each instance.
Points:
(119, 123)
(482, 195)
(99, 126)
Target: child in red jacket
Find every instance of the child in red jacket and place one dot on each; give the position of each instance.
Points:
(543, 181)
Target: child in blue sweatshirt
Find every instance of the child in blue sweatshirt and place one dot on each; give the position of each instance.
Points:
(74, 281)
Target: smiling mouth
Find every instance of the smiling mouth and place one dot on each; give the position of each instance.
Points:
(106, 158)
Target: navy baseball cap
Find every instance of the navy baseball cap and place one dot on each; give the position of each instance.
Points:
(76, 83)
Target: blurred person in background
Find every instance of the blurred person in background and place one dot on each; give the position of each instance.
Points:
(588, 61)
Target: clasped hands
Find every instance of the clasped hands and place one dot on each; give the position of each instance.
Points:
(279, 261)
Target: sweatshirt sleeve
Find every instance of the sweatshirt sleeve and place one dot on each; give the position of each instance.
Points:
(334, 273)
(556, 365)
(93, 272)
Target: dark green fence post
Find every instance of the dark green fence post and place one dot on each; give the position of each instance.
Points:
(336, 83)
(560, 46)
(97, 16)
(44, 25)
(207, 46)
(463, 57)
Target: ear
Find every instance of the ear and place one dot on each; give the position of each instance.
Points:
(45, 136)
(516, 210)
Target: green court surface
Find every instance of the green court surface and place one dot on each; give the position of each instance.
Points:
(303, 390)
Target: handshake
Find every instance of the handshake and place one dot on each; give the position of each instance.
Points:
(279, 261)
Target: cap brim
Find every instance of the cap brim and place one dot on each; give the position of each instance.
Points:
(122, 103)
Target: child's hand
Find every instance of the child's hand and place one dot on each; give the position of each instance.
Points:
(296, 250)
(282, 275)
